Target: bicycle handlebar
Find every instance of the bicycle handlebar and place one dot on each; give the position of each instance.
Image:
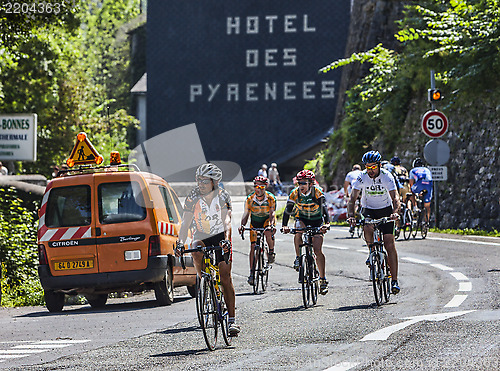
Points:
(205, 250)
(254, 229)
(377, 222)
(314, 230)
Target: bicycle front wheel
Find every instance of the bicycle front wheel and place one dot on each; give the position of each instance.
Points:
(264, 274)
(208, 312)
(257, 269)
(359, 229)
(376, 275)
(304, 279)
(314, 278)
(386, 281)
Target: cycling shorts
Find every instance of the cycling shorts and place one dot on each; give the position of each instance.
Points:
(417, 188)
(214, 241)
(387, 228)
(310, 222)
(253, 234)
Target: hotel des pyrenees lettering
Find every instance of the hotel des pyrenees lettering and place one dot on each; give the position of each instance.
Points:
(266, 58)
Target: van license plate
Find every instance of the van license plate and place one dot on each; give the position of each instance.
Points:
(77, 264)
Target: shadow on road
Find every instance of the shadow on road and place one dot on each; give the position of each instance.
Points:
(112, 307)
(285, 310)
(188, 352)
(179, 330)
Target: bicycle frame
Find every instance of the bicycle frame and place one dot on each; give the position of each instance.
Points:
(259, 268)
(210, 304)
(308, 272)
(379, 269)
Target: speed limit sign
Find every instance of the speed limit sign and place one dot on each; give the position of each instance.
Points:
(434, 124)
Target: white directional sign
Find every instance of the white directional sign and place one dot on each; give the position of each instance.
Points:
(434, 124)
(439, 172)
(18, 137)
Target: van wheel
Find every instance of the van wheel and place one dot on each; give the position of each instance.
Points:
(54, 301)
(164, 290)
(97, 300)
(192, 291)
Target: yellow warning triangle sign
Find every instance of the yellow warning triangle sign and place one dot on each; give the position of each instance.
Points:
(83, 152)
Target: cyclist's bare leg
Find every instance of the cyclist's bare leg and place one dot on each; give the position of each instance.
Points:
(390, 246)
(368, 232)
(320, 257)
(251, 255)
(197, 257)
(427, 206)
(227, 286)
(270, 239)
(297, 239)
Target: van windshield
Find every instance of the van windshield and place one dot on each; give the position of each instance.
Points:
(68, 207)
(120, 202)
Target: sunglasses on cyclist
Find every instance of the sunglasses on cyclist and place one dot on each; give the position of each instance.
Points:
(204, 181)
(260, 186)
(302, 183)
(373, 167)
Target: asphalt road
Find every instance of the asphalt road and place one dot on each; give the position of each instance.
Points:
(447, 317)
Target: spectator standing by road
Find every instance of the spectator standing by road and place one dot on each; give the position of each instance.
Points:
(263, 171)
(274, 178)
(350, 178)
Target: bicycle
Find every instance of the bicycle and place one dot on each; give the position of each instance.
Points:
(308, 270)
(379, 268)
(357, 228)
(260, 267)
(210, 304)
(406, 219)
(421, 222)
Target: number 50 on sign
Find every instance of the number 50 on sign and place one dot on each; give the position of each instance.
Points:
(434, 124)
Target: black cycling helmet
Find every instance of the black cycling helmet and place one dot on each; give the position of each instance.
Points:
(371, 156)
(395, 160)
(418, 162)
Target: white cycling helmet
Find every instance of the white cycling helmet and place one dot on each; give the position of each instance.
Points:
(210, 171)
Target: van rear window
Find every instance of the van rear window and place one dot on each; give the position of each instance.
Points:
(68, 207)
(120, 202)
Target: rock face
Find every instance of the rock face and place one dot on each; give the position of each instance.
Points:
(470, 198)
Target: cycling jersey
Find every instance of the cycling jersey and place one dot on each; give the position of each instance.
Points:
(207, 218)
(375, 192)
(351, 177)
(259, 210)
(423, 180)
(308, 208)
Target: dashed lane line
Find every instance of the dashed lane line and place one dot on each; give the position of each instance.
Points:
(336, 247)
(465, 241)
(459, 276)
(343, 366)
(456, 301)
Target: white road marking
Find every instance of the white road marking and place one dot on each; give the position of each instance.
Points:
(459, 276)
(343, 366)
(62, 341)
(414, 260)
(442, 267)
(366, 250)
(336, 247)
(465, 241)
(41, 346)
(10, 356)
(21, 351)
(383, 334)
(465, 286)
(456, 301)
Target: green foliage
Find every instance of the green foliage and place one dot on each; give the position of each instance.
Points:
(458, 39)
(468, 231)
(18, 250)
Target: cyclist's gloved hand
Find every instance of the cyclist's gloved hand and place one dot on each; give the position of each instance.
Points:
(394, 216)
(285, 229)
(226, 246)
(179, 248)
(351, 220)
(241, 229)
(324, 228)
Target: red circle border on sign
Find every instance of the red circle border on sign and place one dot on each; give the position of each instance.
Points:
(426, 117)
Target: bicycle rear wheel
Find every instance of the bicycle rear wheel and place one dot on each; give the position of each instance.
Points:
(415, 226)
(208, 312)
(224, 319)
(407, 224)
(425, 227)
(376, 274)
(304, 279)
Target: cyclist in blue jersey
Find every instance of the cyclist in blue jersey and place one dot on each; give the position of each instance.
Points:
(421, 179)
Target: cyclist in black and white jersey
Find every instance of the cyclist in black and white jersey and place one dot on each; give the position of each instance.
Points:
(379, 199)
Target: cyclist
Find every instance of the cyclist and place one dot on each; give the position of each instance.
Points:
(208, 210)
(350, 177)
(379, 199)
(309, 204)
(421, 179)
(260, 206)
(402, 174)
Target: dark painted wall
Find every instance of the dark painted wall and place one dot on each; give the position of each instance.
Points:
(246, 73)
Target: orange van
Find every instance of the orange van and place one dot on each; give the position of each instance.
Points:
(109, 229)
